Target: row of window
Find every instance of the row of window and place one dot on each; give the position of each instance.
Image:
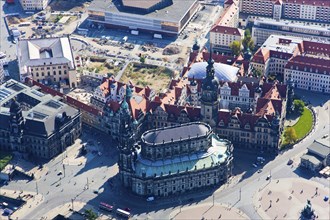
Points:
(48, 73)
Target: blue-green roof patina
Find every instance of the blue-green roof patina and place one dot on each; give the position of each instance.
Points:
(216, 154)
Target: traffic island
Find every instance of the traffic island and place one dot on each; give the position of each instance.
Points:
(285, 198)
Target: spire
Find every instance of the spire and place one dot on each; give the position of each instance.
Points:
(210, 67)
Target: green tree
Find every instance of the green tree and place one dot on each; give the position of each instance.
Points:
(298, 106)
(90, 214)
(247, 41)
(290, 135)
(235, 47)
(142, 59)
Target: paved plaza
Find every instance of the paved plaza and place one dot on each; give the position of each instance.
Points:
(285, 198)
(208, 211)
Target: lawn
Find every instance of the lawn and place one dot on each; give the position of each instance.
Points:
(157, 77)
(4, 159)
(304, 124)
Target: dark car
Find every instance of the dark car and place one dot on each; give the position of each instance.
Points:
(127, 209)
(290, 162)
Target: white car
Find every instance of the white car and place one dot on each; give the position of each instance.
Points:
(151, 198)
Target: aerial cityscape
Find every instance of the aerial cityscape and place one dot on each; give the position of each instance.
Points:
(165, 109)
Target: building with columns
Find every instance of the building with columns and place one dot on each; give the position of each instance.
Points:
(34, 123)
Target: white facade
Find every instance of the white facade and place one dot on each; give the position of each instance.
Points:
(263, 28)
(307, 80)
(34, 4)
(277, 11)
(220, 40)
(308, 12)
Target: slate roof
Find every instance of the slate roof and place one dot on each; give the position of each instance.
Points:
(321, 147)
(39, 118)
(176, 133)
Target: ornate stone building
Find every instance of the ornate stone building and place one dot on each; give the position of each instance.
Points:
(176, 159)
(35, 123)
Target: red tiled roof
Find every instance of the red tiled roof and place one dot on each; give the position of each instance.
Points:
(325, 3)
(310, 47)
(261, 56)
(278, 2)
(226, 30)
(312, 64)
(193, 112)
(219, 58)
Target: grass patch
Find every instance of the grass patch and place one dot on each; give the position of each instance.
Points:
(156, 77)
(303, 125)
(4, 159)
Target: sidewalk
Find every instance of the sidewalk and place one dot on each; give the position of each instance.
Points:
(208, 211)
(30, 205)
(285, 198)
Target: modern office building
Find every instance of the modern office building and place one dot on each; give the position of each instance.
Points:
(156, 16)
(34, 4)
(264, 27)
(174, 160)
(47, 60)
(35, 123)
(308, 10)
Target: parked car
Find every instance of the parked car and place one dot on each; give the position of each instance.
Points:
(150, 199)
(268, 177)
(290, 162)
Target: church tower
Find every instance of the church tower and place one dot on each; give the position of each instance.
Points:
(16, 125)
(209, 98)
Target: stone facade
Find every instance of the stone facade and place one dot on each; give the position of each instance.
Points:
(175, 160)
(47, 127)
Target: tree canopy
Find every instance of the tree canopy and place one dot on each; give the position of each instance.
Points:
(290, 135)
(235, 47)
(247, 41)
(299, 106)
(90, 214)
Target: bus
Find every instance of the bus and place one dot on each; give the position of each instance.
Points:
(105, 207)
(23, 24)
(123, 213)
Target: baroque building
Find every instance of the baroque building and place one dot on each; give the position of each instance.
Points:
(35, 123)
(176, 159)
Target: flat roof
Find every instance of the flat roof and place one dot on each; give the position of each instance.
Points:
(288, 24)
(272, 43)
(174, 12)
(176, 133)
